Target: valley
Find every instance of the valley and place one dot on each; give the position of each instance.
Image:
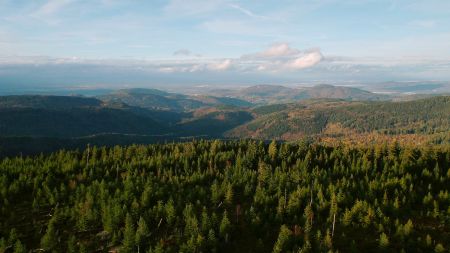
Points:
(323, 113)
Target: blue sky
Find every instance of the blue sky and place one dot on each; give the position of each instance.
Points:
(101, 42)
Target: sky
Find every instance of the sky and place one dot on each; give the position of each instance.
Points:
(108, 43)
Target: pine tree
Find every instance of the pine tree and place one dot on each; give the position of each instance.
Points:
(50, 240)
(13, 236)
(439, 248)
(428, 240)
(142, 232)
(384, 240)
(309, 216)
(229, 194)
(206, 223)
(408, 227)
(19, 247)
(225, 226)
(170, 212)
(283, 240)
(129, 233)
(273, 150)
(212, 240)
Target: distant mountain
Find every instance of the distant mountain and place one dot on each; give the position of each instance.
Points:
(161, 100)
(275, 94)
(265, 90)
(412, 87)
(341, 92)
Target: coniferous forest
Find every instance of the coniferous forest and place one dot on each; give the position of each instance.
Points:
(236, 196)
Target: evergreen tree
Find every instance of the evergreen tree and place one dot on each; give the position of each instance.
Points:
(50, 239)
(225, 226)
(19, 247)
(142, 232)
(128, 243)
(384, 240)
(282, 242)
(273, 150)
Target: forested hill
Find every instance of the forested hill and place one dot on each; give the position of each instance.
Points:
(111, 122)
(47, 102)
(65, 116)
(161, 100)
(273, 94)
(35, 124)
(328, 118)
(217, 196)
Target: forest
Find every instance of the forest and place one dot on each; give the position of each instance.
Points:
(34, 124)
(228, 196)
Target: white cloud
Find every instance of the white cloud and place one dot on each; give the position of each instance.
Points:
(220, 66)
(308, 60)
(277, 50)
(282, 57)
(277, 58)
(167, 70)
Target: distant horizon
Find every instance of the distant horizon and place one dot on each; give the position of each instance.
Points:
(388, 88)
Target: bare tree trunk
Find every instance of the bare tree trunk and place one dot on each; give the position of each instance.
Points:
(160, 221)
(87, 158)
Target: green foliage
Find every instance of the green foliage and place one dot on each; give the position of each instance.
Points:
(439, 248)
(129, 235)
(425, 117)
(384, 240)
(273, 150)
(142, 232)
(281, 245)
(50, 240)
(19, 247)
(225, 226)
(236, 196)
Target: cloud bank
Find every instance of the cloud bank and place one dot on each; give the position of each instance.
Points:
(278, 63)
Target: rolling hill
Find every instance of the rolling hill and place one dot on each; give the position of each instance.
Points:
(62, 116)
(344, 119)
(52, 122)
(34, 124)
(160, 100)
(270, 94)
(47, 102)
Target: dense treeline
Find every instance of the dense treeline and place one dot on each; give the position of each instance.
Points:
(424, 117)
(213, 196)
(50, 117)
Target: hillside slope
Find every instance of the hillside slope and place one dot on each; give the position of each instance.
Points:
(62, 116)
(342, 118)
(65, 121)
(270, 94)
(160, 100)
